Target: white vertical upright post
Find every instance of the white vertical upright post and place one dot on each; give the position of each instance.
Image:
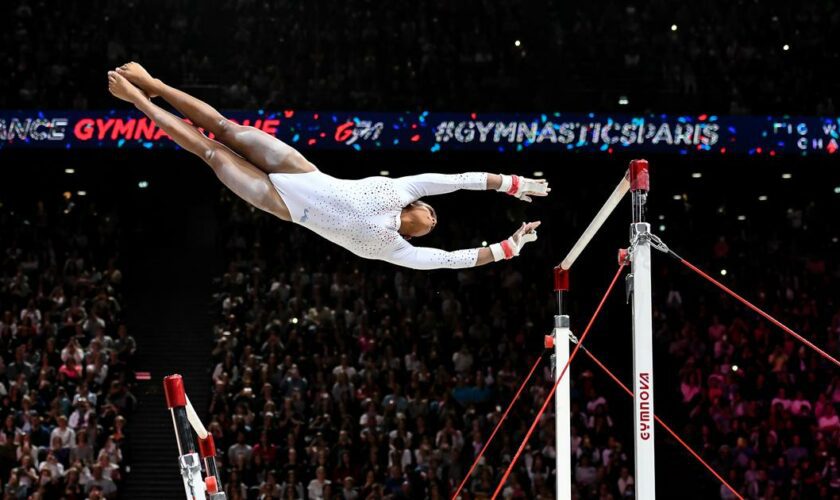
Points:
(562, 410)
(642, 335)
(562, 430)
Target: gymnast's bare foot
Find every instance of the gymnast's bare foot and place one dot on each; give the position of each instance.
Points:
(123, 89)
(138, 75)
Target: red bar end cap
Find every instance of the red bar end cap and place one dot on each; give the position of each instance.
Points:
(639, 176)
(549, 341)
(211, 485)
(207, 447)
(561, 279)
(173, 389)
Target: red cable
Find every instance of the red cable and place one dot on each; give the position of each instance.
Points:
(759, 311)
(659, 420)
(498, 425)
(557, 383)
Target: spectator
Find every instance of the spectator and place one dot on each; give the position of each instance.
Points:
(240, 451)
(99, 482)
(319, 487)
(65, 435)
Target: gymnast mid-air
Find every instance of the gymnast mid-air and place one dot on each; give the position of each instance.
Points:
(371, 217)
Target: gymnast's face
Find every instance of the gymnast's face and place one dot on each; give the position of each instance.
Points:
(418, 219)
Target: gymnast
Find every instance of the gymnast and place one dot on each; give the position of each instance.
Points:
(372, 217)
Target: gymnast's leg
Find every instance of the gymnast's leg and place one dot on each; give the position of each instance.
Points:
(247, 181)
(265, 151)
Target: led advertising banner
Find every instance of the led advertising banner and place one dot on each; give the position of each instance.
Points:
(433, 131)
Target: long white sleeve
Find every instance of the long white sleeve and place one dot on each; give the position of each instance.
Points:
(414, 187)
(407, 255)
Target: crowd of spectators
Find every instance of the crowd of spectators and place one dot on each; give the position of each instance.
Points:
(65, 355)
(712, 57)
(336, 378)
(759, 405)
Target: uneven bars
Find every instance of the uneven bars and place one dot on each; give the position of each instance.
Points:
(184, 416)
(601, 217)
(192, 416)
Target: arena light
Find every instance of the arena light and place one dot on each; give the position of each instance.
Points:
(723, 272)
(786, 175)
(661, 217)
(662, 228)
(384, 172)
(678, 197)
(623, 101)
(517, 43)
(762, 197)
(696, 175)
(484, 243)
(81, 193)
(69, 171)
(538, 173)
(836, 189)
(673, 27)
(786, 47)
(742, 217)
(734, 368)
(143, 184)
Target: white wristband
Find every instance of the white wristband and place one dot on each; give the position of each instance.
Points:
(507, 182)
(498, 253)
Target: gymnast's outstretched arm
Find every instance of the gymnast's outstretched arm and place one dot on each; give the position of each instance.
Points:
(407, 255)
(414, 187)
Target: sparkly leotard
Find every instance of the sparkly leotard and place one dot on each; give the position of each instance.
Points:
(363, 215)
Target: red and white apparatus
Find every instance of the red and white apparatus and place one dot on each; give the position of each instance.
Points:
(185, 421)
(638, 256)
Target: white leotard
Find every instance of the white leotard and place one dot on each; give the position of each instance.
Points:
(363, 215)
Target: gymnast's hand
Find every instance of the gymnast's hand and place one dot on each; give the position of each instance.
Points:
(523, 187)
(525, 234)
(511, 247)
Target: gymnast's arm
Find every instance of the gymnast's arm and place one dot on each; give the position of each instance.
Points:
(407, 255)
(414, 187)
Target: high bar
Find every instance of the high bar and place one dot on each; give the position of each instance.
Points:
(602, 215)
